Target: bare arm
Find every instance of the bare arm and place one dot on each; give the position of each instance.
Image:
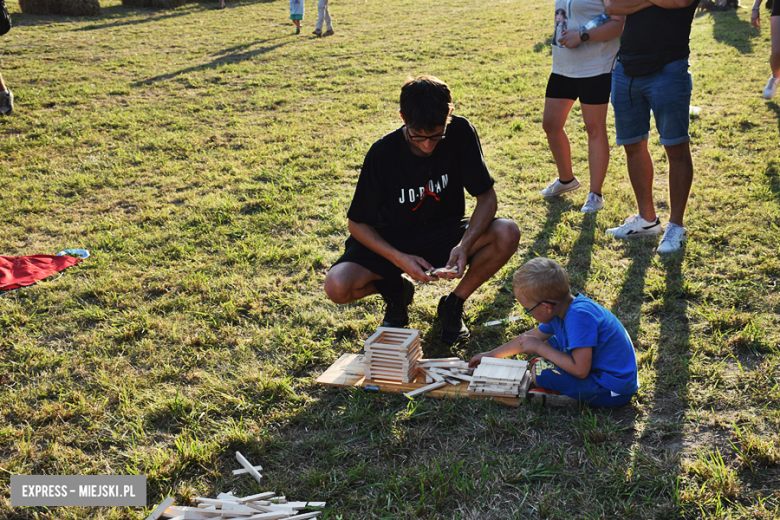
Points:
(414, 266)
(487, 204)
(632, 6)
(611, 29)
(577, 363)
(510, 348)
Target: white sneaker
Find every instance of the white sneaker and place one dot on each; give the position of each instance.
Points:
(6, 103)
(556, 188)
(673, 239)
(636, 226)
(593, 204)
(771, 87)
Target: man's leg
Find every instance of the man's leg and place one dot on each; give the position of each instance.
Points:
(680, 180)
(348, 282)
(774, 58)
(640, 172)
(491, 252)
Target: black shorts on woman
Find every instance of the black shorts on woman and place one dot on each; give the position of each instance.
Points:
(594, 90)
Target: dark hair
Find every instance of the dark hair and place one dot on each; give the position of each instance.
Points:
(426, 103)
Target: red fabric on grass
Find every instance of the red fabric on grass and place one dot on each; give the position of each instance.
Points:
(22, 271)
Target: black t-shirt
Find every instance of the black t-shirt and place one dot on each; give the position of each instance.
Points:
(401, 193)
(655, 31)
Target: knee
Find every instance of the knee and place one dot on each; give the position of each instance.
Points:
(596, 131)
(551, 126)
(336, 291)
(508, 235)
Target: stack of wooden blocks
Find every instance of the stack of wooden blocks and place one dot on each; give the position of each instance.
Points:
(500, 377)
(391, 355)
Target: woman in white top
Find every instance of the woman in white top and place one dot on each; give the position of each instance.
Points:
(582, 69)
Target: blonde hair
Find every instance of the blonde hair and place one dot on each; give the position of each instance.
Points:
(542, 279)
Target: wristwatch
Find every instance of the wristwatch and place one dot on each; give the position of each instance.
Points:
(584, 36)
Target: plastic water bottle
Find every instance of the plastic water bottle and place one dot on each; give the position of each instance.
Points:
(596, 22)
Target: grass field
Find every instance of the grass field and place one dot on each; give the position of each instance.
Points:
(207, 160)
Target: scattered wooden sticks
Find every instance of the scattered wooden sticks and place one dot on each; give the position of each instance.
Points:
(392, 354)
(441, 372)
(500, 377)
(262, 506)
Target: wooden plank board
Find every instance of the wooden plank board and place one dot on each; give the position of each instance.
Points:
(337, 376)
(503, 361)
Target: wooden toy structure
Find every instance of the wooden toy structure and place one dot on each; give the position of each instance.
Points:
(446, 377)
(500, 377)
(392, 354)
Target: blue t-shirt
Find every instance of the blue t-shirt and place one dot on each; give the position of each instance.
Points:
(588, 324)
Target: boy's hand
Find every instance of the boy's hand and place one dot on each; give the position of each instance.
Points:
(476, 360)
(530, 344)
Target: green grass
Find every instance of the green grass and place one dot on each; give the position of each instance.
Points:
(207, 160)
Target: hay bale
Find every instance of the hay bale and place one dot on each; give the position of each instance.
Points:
(61, 7)
(77, 7)
(154, 4)
(35, 6)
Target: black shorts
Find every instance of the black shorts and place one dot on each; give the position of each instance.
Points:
(775, 8)
(591, 91)
(434, 243)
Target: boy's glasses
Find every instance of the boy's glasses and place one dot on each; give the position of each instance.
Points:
(529, 311)
(421, 138)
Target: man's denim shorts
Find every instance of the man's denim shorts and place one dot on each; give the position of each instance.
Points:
(667, 93)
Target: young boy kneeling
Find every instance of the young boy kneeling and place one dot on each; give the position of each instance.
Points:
(587, 353)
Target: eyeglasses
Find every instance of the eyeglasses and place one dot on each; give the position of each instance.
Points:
(421, 138)
(529, 311)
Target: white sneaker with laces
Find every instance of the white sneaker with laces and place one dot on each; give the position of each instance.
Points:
(6, 102)
(556, 188)
(673, 239)
(593, 204)
(771, 87)
(636, 226)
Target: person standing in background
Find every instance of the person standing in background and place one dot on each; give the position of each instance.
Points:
(652, 75)
(296, 13)
(323, 18)
(582, 69)
(774, 58)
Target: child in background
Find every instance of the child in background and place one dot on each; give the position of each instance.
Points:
(587, 355)
(296, 14)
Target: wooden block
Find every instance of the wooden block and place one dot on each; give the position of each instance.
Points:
(252, 471)
(244, 470)
(464, 377)
(302, 505)
(436, 377)
(190, 513)
(424, 389)
(504, 362)
(439, 360)
(259, 496)
(160, 509)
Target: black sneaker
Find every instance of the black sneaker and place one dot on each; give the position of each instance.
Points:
(397, 303)
(451, 316)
